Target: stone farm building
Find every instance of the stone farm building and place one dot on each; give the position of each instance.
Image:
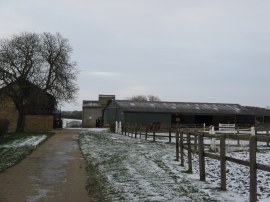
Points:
(39, 109)
(170, 113)
(92, 111)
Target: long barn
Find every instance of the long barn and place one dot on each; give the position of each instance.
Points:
(169, 113)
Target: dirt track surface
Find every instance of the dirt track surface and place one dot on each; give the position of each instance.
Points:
(54, 172)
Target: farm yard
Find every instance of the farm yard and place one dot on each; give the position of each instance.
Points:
(123, 168)
(129, 169)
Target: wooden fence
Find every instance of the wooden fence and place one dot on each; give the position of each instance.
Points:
(191, 138)
(153, 132)
(194, 143)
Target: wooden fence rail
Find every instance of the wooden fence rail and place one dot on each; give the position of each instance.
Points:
(194, 144)
(154, 131)
(191, 138)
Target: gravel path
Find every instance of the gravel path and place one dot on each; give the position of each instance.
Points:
(55, 171)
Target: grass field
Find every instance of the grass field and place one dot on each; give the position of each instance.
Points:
(121, 168)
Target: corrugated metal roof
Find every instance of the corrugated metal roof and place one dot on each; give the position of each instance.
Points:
(181, 107)
(259, 111)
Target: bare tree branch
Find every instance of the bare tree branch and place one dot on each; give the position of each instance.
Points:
(40, 60)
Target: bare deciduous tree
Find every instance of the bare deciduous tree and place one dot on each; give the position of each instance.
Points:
(139, 98)
(39, 60)
(59, 72)
(153, 98)
(144, 98)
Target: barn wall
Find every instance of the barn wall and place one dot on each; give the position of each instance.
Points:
(113, 114)
(147, 118)
(262, 119)
(207, 119)
(186, 119)
(90, 115)
(8, 111)
(33, 123)
(107, 116)
(245, 119)
(225, 119)
(103, 99)
(37, 123)
(267, 119)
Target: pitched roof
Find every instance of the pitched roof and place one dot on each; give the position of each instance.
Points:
(36, 100)
(92, 104)
(181, 107)
(259, 111)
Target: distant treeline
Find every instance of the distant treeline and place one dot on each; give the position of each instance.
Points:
(72, 114)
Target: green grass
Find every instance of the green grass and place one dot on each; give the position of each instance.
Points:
(9, 156)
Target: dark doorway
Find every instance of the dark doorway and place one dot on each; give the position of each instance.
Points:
(201, 119)
(176, 119)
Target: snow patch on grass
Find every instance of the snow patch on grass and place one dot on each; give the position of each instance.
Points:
(14, 151)
(139, 170)
(31, 141)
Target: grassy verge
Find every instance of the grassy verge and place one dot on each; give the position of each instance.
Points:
(99, 189)
(121, 168)
(10, 153)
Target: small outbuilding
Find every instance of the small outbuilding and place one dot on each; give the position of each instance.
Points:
(170, 113)
(40, 108)
(93, 110)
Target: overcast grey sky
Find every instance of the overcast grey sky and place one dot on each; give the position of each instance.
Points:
(179, 50)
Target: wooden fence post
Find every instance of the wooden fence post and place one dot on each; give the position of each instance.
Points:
(122, 128)
(267, 133)
(238, 140)
(253, 168)
(201, 157)
(146, 131)
(253, 131)
(177, 145)
(132, 131)
(136, 130)
(170, 135)
(116, 127)
(189, 153)
(223, 162)
(213, 139)
(125, 128)
(195, 142)
(154, 134)
(140, 130)
(182, 148)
